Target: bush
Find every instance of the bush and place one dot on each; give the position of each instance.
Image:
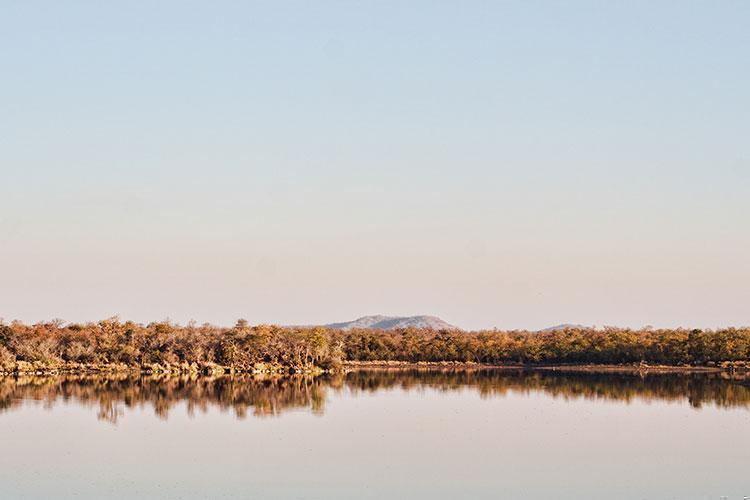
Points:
(242, 346)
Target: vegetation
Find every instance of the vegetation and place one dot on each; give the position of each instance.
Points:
(164, 346)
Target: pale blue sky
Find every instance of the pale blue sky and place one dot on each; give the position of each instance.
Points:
(509, 164)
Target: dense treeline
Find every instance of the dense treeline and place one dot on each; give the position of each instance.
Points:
(244, 347)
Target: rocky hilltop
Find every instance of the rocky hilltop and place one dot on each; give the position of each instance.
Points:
(393, 322)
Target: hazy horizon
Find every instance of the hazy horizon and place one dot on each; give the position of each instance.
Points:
(231, 323)
(508, 165)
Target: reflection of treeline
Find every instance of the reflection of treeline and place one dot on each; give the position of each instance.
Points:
(272, 395)
(112, 393)
(722, 389)
(245, 347)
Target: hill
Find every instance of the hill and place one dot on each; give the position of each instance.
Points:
(565, 326)
(393, 322)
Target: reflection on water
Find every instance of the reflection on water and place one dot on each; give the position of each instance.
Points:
(263, 396)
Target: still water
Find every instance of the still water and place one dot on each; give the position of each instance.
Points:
(377, 434)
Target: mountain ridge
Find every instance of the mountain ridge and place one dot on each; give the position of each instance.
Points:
(564, 326)
(381, 322)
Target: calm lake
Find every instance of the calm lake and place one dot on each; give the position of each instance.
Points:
(377, 434)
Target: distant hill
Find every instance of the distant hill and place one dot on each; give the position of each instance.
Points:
(564, 326)
(393, 322)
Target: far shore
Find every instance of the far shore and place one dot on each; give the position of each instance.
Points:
(638, 368)
(24, 368)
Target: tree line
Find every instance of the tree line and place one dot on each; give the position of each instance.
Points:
(244, 347)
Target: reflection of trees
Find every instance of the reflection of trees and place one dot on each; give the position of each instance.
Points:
(723, 389)
(111, 394)
(264, 396)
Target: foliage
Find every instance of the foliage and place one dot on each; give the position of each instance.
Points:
(243, 346)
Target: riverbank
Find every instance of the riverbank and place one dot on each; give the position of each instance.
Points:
(167, 347)
(41, 368)
(585, 367)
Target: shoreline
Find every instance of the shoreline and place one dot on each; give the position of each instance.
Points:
(26, 368)
(583, 367)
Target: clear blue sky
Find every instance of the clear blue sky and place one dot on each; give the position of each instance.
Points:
(509, 164)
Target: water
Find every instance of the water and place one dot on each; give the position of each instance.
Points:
(407, 434)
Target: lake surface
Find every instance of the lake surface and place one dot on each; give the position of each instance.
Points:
(377, 434)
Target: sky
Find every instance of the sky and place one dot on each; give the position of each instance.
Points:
(498, 164)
